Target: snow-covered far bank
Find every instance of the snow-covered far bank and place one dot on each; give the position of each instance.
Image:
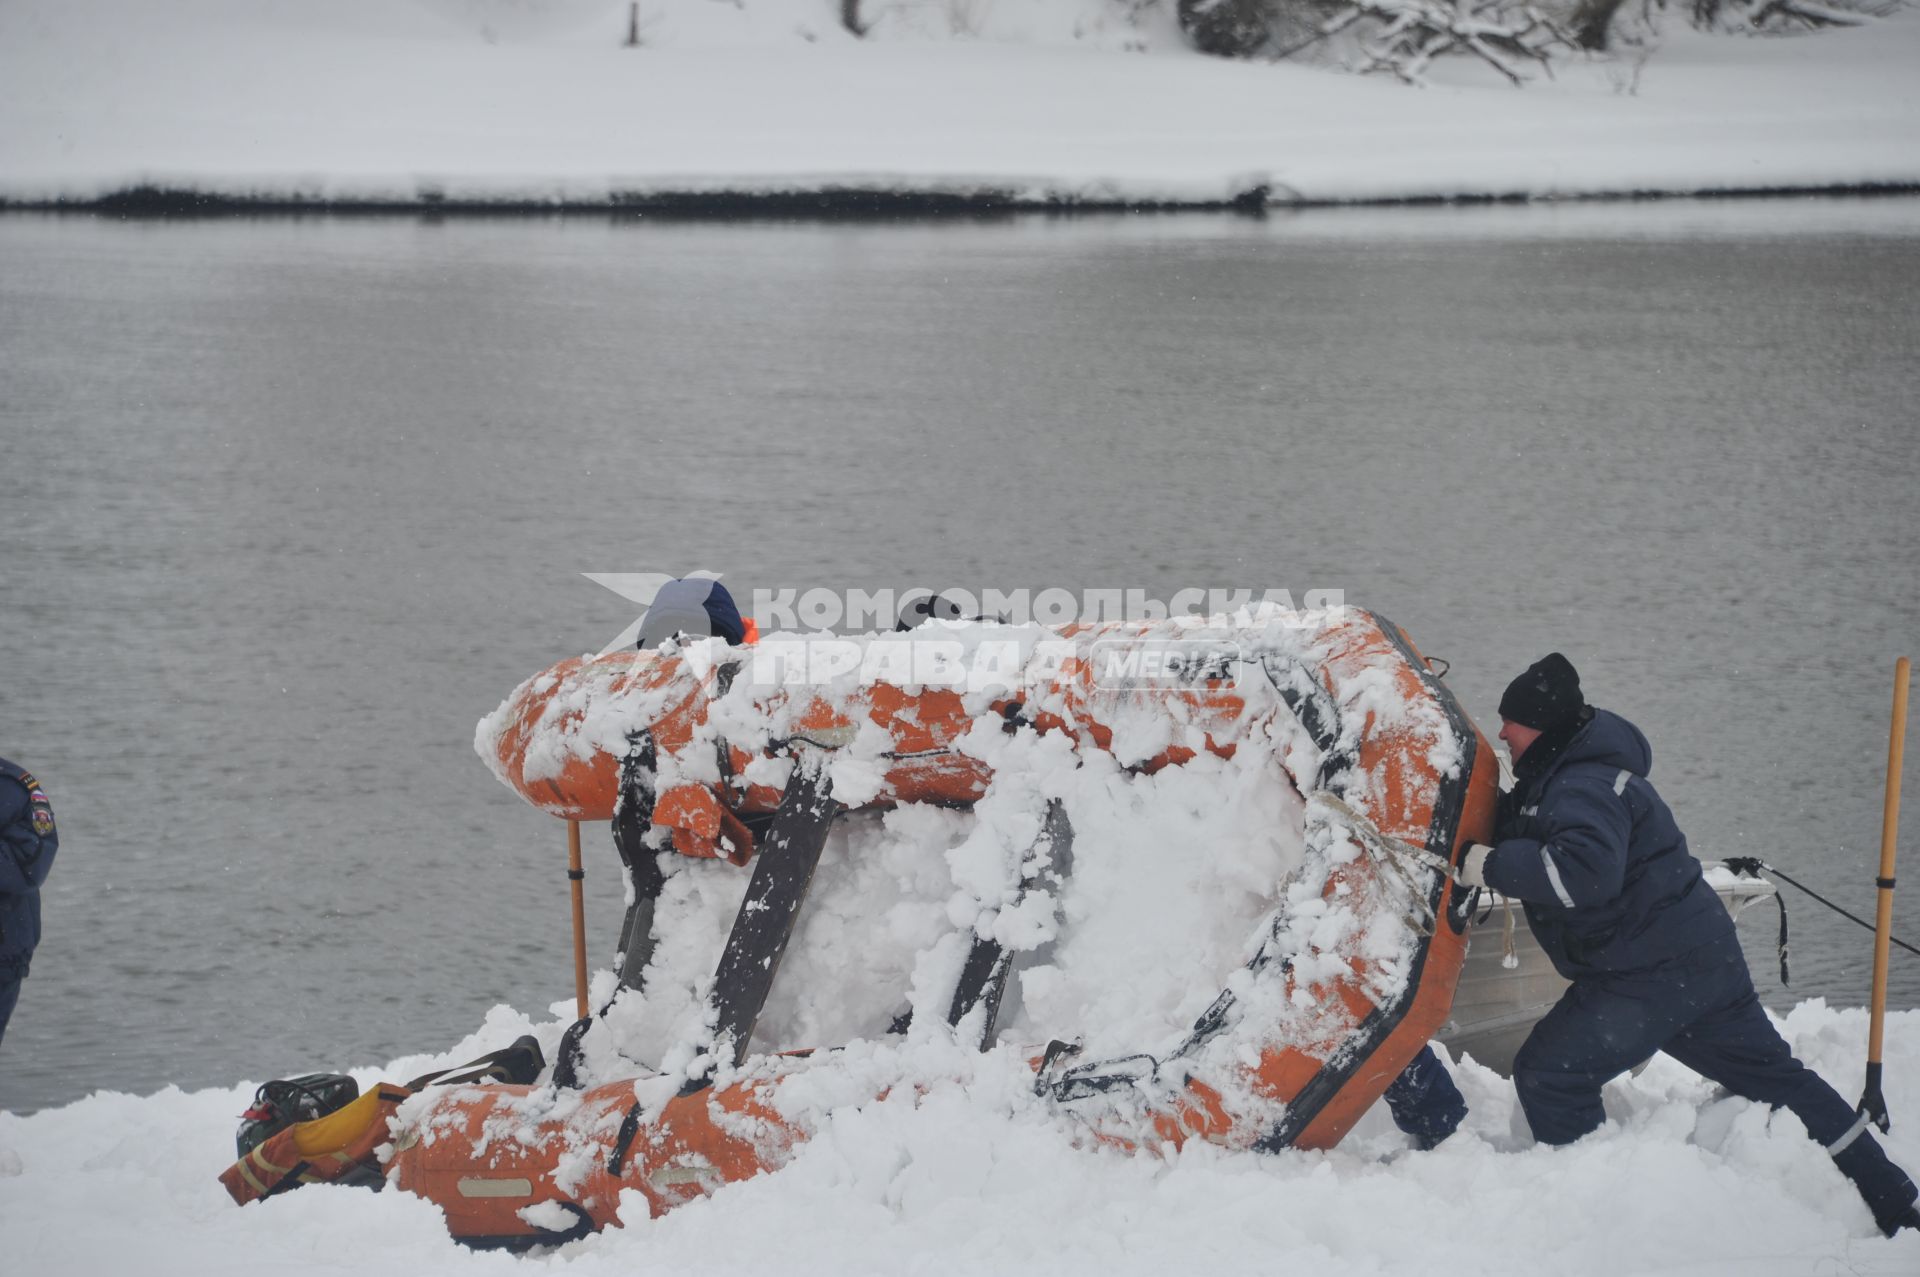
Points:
(535, 103)
(960, 1182)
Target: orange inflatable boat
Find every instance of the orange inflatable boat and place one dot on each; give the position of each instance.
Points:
(740, 758)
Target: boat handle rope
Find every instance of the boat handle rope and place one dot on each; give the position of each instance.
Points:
(1360, 824)
(1098, 1077)
(1752, 866)
(1391, 855)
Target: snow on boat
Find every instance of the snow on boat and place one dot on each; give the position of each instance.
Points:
(1315, 755)
(1187, 879)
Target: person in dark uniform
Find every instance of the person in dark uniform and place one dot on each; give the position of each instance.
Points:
(27, 843)
(1424, 1102)
(694, 607)
(1620, 906)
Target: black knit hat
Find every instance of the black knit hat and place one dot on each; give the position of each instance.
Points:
(1546, 696)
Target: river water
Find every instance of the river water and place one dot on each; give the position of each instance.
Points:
(289, 503)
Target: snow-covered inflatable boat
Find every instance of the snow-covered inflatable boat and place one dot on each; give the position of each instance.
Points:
(1277, 800)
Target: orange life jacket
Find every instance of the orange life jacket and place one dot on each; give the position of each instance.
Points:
(338, 1148)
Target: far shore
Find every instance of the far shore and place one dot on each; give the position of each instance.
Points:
(852, 203)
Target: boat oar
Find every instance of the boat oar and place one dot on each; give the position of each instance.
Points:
(1872, 1102)
(577, 878)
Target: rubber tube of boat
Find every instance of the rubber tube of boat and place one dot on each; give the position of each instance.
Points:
(1872, 1102)
(576, 877)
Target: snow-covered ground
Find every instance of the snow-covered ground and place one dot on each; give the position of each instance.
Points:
(536, 100)
(488, 99)
(961, 1182)
(960, 1168)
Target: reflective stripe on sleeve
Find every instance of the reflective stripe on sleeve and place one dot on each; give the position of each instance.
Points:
(1854, 1132)
(1553, 875)
(253, 1181)
(259, 1158)
(1620, 782)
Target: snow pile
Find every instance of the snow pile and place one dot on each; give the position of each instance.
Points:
(963, 1180)
(494, 101)
(1171, 875)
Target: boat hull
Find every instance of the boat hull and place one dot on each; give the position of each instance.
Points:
(506, 1176)
(1306, 1038)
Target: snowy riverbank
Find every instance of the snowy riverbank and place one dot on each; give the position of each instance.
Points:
(962, 1183)
(443, 102)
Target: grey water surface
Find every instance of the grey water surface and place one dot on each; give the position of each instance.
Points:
(287, 504)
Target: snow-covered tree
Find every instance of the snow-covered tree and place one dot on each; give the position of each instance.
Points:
(1515, 37)
(1398, 37)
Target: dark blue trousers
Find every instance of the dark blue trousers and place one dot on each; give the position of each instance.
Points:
(9, 994)
(1424, 1101)
(1702, 1010)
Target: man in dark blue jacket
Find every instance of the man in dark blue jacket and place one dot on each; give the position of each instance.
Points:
(691, 606)
(1621, 908)
(27, 843)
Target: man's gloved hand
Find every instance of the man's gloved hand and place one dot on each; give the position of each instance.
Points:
(1473, 865)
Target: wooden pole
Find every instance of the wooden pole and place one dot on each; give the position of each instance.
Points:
(577, 878)
(1872, 1102)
